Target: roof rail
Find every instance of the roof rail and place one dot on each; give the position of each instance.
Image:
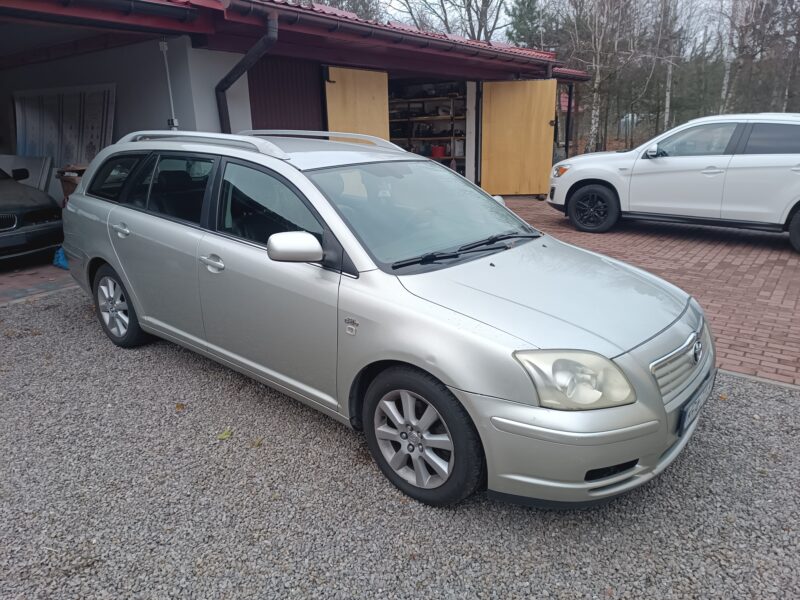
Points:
(373, 139)
(222, 139)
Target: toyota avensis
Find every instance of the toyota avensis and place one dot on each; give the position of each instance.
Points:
(395, 296)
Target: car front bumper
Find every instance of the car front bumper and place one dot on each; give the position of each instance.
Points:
(29, 239)
(531, 459)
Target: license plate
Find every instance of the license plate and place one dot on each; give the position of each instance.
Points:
(693, 407)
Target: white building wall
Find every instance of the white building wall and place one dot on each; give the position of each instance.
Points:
(142, 100)
(206, 68)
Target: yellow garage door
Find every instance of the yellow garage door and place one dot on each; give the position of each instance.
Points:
(358, 101)
(517, 136)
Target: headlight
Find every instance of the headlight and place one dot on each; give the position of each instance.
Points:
(559, 170)
(576, 380)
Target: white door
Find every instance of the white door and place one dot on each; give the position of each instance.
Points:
(763, 181)
(688, 175)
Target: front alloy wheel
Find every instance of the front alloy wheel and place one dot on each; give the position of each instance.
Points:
(593, 208)
(414, 439)
(421, 437)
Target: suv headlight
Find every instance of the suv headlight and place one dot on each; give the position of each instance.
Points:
(575, 379)
(559, 170)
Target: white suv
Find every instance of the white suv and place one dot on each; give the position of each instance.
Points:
(729, 170)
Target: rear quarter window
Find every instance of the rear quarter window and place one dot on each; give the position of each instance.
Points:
(112, 175)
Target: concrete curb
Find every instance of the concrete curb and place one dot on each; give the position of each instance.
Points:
(788, 386)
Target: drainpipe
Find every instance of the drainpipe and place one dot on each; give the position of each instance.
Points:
(259, 49)
(172, 122)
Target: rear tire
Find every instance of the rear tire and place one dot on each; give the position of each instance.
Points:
(421, 437)
(794, 231)
(115, 310)
(593, 208)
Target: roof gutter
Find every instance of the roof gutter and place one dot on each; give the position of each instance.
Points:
(293, 16)
(259, 49)
(185, 13)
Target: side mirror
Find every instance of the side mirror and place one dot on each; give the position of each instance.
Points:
(20, 174)
(652, 151)
(500, 200)
(294, 246)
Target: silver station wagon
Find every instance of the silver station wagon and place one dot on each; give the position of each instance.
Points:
(392, 294)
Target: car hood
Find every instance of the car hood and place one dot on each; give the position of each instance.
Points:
(553, 295)
(16, 197)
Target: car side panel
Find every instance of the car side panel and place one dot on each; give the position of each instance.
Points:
(380, 320)
(761, 187)
(86, 237)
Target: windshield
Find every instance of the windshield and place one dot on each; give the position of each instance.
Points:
(405, 209)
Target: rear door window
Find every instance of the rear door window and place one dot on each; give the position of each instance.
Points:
(178, 186)
(774, 138)
(112, 175)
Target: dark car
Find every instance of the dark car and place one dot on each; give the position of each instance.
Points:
(30, 220)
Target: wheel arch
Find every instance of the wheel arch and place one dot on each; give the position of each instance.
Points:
(92, 267)
(590, 181)
(792, 212)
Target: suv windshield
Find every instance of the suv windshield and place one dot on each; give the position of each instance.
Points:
(406, 209)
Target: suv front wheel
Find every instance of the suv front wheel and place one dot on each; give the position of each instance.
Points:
(593, 208)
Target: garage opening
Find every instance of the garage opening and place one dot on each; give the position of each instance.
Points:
(435, 119)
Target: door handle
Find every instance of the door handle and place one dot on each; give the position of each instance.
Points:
(796, 169)
(122, 230)
(712, 171)
(213, 262)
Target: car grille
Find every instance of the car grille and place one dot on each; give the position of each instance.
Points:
(7, 221)
(674, 371)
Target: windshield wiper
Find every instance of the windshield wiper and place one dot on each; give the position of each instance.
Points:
(493, 239)
(431, 257)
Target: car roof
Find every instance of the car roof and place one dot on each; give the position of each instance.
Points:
(304, 150)
(311, 153)
(749, 117)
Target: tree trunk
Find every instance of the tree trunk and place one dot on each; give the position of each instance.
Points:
(668, 95)
(594, 123)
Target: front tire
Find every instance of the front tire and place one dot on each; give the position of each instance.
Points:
(593, 208)
(115, 310)
(794, 231)
(421, 437)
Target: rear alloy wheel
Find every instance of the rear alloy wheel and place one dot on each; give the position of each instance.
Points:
(794, 231)
(593, 208)
(421, 437)
(115, 311)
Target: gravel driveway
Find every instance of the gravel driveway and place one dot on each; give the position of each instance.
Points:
(113, 483)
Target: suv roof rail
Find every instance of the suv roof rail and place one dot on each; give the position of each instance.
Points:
(222, 139)
(373, 139)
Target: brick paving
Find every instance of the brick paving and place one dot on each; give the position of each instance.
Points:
(748, 282)
(20, 280)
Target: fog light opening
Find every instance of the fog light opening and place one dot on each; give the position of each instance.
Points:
(604, 472)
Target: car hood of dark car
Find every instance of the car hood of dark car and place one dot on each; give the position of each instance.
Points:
(553, 295)
(17, 197)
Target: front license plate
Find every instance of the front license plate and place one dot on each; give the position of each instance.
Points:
(693, 407)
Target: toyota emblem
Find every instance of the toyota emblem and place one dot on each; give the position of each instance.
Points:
(697, 351)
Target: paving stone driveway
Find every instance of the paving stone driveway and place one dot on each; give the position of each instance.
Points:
(748, 282)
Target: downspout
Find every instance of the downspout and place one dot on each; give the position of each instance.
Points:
(259, 49)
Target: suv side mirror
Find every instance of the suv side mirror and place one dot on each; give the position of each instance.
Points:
(500, 200)
(294, 246)
(652, 151)
(20, 174)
